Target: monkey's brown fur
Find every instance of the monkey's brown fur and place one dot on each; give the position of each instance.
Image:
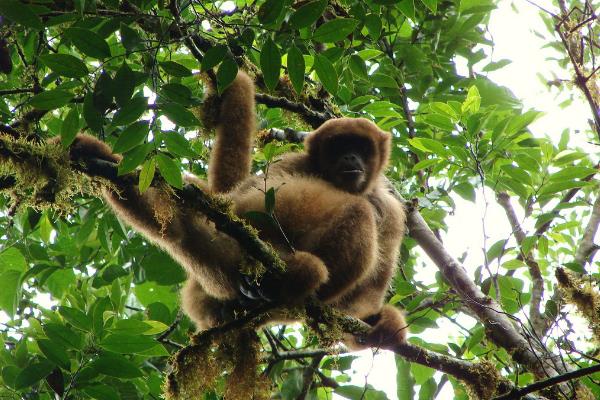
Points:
(346, 243)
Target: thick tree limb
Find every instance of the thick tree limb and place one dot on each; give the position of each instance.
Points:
(587, 247)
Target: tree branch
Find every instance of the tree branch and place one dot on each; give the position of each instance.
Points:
(499, 327)
(538, 322)
(516, 394)
(314, 118)
(586, 246)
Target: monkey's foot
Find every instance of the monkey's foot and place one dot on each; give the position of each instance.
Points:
(389, 330)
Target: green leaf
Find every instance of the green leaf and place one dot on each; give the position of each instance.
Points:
(88, 42)
(127, 344)
(575, 267)
(431, 4)
(51, 99)
(465, 190)
(358, 66)
(175, 69)
(570, 173)
(10, 289)
(496, 250)
(307, 14)
(148, 293)
(373, 24)
(146, 175)
(296, 67)
(518, 174)
(513, 264)
(426, 163)
(213, 57)
(178, 145)
(519, 122)
(405, 382)
(326, 73)
(169, 170)
(407, 7)
(132, 326)
(130, 111)
(334, 30)
(55, 352)
(63, 335)
(132, 136)
(130, 38)
(116, 365)
(11, 259)
(493, 66)
(76, 317)
(92, 116)
(383, 81)
(179, 114)
(428, 146)
(32, 374)
(226, 74)
(123, 84)
(65, 65)
(177, 93)
(20, 13)
(69, 128)
(556, 187)
(270, 63)
(472, 102)
(269, 11)
(421, 373)
(161, 268)
(382, 109)
(101, 392)
(134, 158)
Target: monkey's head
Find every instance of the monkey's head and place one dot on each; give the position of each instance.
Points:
(349, 152)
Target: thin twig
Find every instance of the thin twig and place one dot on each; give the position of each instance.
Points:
(534, 387)
(314, 118)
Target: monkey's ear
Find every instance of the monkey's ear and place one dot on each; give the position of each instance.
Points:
(384, 141)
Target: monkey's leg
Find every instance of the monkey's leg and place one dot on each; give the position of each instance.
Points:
(205, 311)
(389, 330)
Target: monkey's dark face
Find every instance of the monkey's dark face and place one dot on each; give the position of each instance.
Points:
(345, 162)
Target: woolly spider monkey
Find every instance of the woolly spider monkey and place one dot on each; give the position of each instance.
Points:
(332, 203)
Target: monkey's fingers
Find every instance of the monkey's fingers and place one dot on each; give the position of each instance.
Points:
(252, 290)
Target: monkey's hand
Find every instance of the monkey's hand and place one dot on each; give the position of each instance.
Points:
(236, 104)
(304, 273)
(388, 330)
(87, 146)
(253, 292)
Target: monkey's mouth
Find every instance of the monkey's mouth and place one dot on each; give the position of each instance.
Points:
(352, 171)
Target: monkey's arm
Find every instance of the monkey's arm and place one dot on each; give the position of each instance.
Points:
(231, 156)
(206, 254)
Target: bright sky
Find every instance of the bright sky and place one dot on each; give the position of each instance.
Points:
(513, 34)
